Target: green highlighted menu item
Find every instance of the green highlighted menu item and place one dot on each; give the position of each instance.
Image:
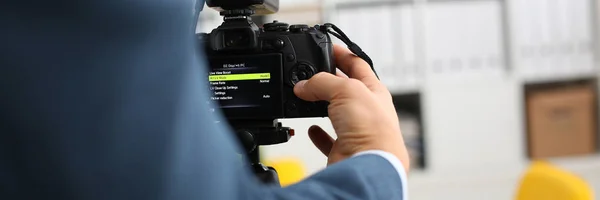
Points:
(239, 77)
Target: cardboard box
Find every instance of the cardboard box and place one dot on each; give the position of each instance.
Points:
(562, 121)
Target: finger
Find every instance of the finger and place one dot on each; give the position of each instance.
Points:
(321, 139)
(352, 65)
(321, 87)
(340, 73)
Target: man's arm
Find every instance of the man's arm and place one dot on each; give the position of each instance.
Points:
(105, 100)
(367, 176)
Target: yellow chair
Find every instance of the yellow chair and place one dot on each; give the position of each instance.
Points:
(290, 170)
(544, 181)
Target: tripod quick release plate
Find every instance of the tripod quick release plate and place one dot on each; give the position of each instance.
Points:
(252, 136)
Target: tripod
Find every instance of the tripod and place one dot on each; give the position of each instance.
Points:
(264, 173)
(251, 134)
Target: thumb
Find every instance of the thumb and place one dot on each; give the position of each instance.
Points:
(321, 139)
(321, 87)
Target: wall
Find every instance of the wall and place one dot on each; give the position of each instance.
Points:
(469, 108)
(469, 60)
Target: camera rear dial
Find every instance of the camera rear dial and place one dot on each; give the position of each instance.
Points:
(302, 71)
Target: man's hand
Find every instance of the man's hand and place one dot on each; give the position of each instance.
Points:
(361, 110)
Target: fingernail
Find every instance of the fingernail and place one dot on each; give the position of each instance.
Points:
(301, 84)
(299, 87)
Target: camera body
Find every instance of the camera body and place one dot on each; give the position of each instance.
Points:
(253, 70)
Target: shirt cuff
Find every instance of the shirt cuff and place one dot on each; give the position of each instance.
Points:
(396, 163)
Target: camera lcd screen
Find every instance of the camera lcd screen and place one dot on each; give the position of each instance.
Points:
(247, 87)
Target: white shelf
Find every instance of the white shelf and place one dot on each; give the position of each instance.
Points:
(388, 34)
(560, 78)
(551, 39)
(459, 52)
(464, 40)
(473, 117)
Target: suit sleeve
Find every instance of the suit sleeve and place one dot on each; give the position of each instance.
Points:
(362, 177)
(109, 100)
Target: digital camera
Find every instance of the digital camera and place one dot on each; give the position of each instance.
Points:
(253, 70)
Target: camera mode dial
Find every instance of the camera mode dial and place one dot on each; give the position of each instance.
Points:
(298, 28)
(276, 26)
(302, 71)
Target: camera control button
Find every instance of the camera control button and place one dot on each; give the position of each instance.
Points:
(276, 26)
(302, 75)
(295, 78)
(307, 69)
(269, 45)
(301, 72)
(290, 57)
(278, 44)
(298, 28)
(302, 67)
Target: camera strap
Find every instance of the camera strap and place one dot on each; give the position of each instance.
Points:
(354, 48)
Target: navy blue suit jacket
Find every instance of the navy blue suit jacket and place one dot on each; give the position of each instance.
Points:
(106, 100)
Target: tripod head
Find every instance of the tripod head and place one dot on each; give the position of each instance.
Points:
(252, 133)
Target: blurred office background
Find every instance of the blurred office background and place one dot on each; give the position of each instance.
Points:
(482, 87)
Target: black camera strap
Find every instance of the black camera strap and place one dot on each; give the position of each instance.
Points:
(354, 48)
